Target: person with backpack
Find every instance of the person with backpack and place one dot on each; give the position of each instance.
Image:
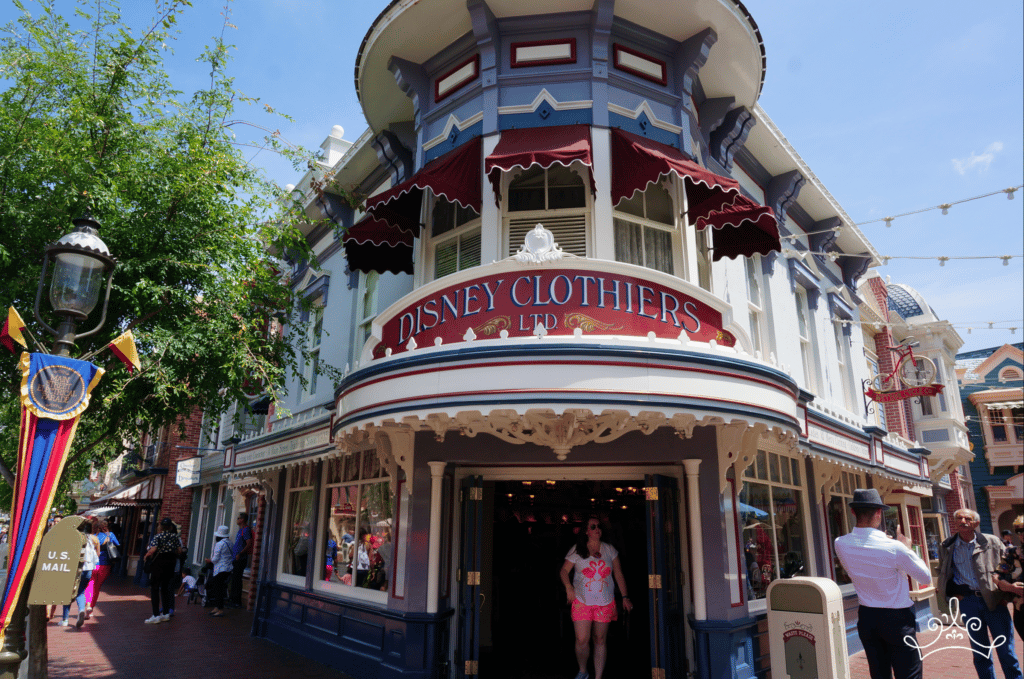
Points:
(108, 552)
(90, 559)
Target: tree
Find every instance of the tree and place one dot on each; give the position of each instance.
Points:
(90, 121)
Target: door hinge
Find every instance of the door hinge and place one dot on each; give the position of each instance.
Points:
(657, 673)
(476, 493)
(472, 667)
(651, 494)
(473, 578)
(654, 581)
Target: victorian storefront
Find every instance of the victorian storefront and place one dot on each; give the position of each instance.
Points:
(592, 278)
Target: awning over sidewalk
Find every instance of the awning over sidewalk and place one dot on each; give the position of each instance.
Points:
(544, 146)
(454, 176)
(148, 493)
(374, 245)
(742, 227)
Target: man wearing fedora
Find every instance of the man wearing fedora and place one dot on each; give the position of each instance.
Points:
(878, 567)
(968, 565)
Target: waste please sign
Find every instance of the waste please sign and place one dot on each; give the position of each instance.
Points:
(517, 304)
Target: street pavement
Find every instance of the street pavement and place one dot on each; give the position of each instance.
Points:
(116, 643)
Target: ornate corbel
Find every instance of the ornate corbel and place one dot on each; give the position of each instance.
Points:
(439, 423)
(413, 80)
(825, 476)
(395, 446)
(883, 485)
(782, 192)
(737, 446)
(684, 424)
(712, 114)
(393, 155)
(730, 136)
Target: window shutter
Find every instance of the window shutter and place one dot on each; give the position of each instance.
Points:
(446, 258)
(570, 232)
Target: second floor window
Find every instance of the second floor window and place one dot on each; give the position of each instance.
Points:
(555, 197)
(454, 237)
(644, 227)
(756, 301)
(805, 328)
(314, 335)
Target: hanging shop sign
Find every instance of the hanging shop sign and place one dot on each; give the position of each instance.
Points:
(555, 301)
(904, 394)
(188, 472)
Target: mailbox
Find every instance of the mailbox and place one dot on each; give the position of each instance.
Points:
(807, 629)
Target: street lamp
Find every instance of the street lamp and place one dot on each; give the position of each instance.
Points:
(80, 260)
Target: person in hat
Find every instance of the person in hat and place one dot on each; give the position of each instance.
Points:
(222, 558)
(163, 553)
(878, 567)
(968, 572)
(1011, 577)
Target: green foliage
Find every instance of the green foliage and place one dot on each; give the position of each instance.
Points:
(89, 120)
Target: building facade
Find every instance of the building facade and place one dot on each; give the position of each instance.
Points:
(591, 277)
(993, 399)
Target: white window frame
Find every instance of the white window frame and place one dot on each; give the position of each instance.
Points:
(460, 232)
(350, 591)
(540, 216)
(282, 576)
(812, 374)
(677, 251)
(843, 364)
(314, 342)
(757, 309)
(199, 539)
(367, 297)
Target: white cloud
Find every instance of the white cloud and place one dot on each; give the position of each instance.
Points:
(982, 160)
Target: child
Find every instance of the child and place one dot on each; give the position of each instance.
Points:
(188, 583)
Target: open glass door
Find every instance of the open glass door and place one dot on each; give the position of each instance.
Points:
(468, 652)
(664, 570)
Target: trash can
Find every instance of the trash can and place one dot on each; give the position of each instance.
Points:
(807, 629)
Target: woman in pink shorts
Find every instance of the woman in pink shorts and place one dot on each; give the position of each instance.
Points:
(592, 594)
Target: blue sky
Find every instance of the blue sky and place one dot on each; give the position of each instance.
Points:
(894, 106)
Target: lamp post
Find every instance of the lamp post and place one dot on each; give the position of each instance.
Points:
(80, 261)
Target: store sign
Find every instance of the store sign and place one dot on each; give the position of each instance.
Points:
(59, 565)
(830, 439)
(188, 472)
(903, 394)
(559, 301)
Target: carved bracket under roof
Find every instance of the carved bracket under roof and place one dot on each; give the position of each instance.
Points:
(739, 441)
(884, 485)
(782, 191)
(412, 79)
(854, 267)
(690, 57)
(822, 239)
(826, 475)
(730, 135)
(392, 442)
(712, 114)
(485, 32)
(393, 155)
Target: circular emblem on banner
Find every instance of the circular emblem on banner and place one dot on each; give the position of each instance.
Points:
(57, 389)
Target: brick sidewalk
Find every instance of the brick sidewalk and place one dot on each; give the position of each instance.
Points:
(955, 662)
(116, 643)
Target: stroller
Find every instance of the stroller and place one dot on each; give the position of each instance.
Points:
(197, 594)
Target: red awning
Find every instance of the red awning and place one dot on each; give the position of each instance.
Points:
(711, 199)
(455, 176)
(542, 146)
(375, 245)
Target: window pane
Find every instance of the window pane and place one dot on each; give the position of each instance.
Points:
(762, 465)
(789, 527)
(758, 543)
(659, 205)
(786, 476)
(376, 522)
(755, 330)
(658, 250)
(341, 528)
(837, 513)
(565, 188)
(773, 459)
(628, 242)
(300, 513)
(632, 206)
(526, 192)
(446, 258)
(469, 251)
(352, 466)
(464, 214)
(443, 217)
(371, 465)
(753, 282)
(795, 465)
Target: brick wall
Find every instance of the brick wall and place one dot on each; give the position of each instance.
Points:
(177, 502)
(257, 551)
(954, 499)
(896, 416)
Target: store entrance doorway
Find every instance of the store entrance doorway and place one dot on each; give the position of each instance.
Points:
(525, 626)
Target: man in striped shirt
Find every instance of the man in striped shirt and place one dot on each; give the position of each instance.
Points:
(967, 570)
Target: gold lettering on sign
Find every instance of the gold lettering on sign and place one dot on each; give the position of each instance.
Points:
(56, 387)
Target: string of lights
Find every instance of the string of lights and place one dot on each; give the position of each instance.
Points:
(943, 206)
(962, 325)
(942, 259)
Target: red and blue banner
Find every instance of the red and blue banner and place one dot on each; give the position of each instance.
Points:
(54, 392)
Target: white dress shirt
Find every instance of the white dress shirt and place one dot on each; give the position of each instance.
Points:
(879, 566)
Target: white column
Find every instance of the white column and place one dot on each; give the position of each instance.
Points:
(434, 543)
(602, 233)
(700, 607)
(490, 215)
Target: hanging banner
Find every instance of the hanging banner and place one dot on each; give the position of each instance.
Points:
(54, 392)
